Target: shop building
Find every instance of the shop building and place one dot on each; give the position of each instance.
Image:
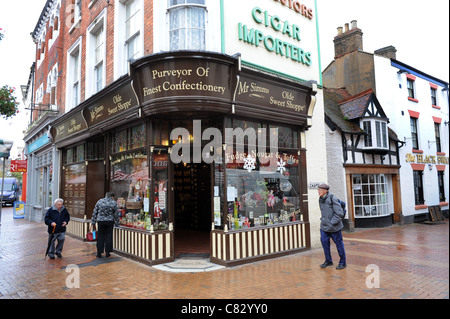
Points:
(416, 105)
(44, 91)
(359, 140)
(207, 124)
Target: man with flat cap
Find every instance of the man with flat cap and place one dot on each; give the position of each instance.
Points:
(331, 226)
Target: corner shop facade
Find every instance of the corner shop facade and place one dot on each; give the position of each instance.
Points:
(250, 199)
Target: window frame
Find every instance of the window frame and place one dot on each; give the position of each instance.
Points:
(418, 187)
(376, 136)
(96, 37)
(122, 40)
(411, 87)
(171, 9)
(73, 76)
(414, 133)
(433, 92)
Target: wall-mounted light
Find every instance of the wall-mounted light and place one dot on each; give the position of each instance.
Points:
(430, 167)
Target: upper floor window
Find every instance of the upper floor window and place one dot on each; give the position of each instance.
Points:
(376, 134)
(128, 35)
(73, 76)
(437, 133)
(132, 29)
(433, 96)
(414, 133)
(52, 82)
(411, 86)
(411, 92)
(96, 55)
(187, 24)
(77, 11)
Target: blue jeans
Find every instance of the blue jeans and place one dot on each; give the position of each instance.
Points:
(338, 240)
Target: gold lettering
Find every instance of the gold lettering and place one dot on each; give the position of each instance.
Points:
(410, 158)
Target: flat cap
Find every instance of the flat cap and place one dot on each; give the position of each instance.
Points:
(324, 186)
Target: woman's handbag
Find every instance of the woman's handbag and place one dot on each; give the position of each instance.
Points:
(92, 234)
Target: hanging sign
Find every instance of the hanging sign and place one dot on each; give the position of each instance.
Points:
(18, 166)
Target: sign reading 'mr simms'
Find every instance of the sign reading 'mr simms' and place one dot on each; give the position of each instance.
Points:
(115, 103)
(73, 125)
(260, 93)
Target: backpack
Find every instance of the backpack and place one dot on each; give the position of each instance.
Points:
(343, 204)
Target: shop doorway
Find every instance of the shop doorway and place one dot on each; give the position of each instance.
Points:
(192, 203)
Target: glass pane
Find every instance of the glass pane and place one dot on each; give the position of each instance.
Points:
(119, 143)
(130, 183)
(138, 136)
(160, 187)
(257, 195)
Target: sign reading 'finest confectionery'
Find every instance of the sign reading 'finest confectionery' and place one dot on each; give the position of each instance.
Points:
(183, 77)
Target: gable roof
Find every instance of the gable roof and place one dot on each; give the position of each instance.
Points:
(333, 114)
(344, 110)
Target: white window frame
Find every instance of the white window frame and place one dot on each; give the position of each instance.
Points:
(52, 23)
(373, 196)
(121, 64)
(181, 6)
(73, 72)
(100, 23)
(379, 137)
(39, 94)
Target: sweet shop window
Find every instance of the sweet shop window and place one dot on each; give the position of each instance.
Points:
(130, 182)
(262, 190)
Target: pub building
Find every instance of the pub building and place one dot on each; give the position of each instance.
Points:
(233, 196)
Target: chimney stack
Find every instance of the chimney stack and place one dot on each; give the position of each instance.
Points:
(349, 41)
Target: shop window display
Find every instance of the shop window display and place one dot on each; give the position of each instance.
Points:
(159, 189)
(130, 183)
(259, 194)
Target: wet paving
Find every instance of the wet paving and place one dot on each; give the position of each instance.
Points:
(398, 262)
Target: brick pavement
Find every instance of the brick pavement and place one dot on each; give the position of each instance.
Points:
(412, 260)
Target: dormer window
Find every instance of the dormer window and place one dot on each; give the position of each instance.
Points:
(376, 134)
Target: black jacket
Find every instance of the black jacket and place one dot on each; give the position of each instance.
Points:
(53, 215)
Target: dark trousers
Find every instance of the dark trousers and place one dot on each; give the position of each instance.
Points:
(105, 237)
(338, 240)
(60, 237)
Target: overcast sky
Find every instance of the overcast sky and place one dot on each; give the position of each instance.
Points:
(418, 29)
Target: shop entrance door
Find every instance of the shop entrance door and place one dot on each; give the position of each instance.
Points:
(192, 203)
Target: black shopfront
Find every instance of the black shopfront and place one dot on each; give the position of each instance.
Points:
(203, 154)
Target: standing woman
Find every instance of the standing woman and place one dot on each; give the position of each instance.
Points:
(106, 215)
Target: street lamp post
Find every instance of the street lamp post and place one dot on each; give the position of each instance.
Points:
(5, 148)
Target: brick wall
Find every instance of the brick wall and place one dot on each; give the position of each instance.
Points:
(70, 33)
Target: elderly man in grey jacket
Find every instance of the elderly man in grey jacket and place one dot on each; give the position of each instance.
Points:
(331, 225)
(106, 215)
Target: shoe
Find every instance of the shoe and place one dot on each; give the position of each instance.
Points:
(99, 255)
(58, 255)
(326, 264)
(108, 255)
(51, 257)
(341, 267)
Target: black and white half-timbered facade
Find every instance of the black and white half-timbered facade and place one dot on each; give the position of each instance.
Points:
(363, 158)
